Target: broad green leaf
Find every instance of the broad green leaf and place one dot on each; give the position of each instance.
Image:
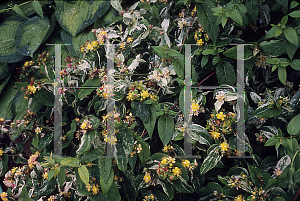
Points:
(282, 74)
(56, 171)
(35, 141)
(265, 112)
(76, 16)
(210, 188)
(259, 177)
(284, 20)
(293, 127)
(61, 176)
(5, 70)
(295, 64)
(141, 110)
(8, 50)
(70, 162)
(252, 9)
(211, 159)
(273, 47)
(77, 41)
(294, 4)
(232, 52)
(165, 128)
(225, 73)
(3, 165)
(291, 35)
(273, 61)
(208, 51)
(38, 8)
(104, 166)
(100, 105)
(290, 49)
(4, 82)
(18, 10)
(150, 124)
(236, 16)
(278, 32)
(125, 143)
(50, 174)
(95, 82)
(106, 184)
(204, 60)
(295, 14)
(178, 67)
(84, 174)
(92, 155)
(45, 97)
(128, 185)
(85, 142)
(272, 141)
(207, 19)
(271, 32)
(30, 35)
(199, 134)
(182, 187)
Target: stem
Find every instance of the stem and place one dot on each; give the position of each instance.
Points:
(296, 195)
(206, 78)
(7, 9)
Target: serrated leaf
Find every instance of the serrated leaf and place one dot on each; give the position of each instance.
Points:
(30, 35)
(76, 16)
(84, 174)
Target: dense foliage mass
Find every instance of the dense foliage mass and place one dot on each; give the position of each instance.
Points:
(144, 97)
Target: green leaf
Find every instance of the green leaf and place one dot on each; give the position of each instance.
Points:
(278, 199)
(232, 52)
(236, 16)
(291, 35)
(30, 35)
(225, 73)
(86, 142)
(266, 112)
(165, 128)
(70, 162)
(56, 171)
(204, 60)
(295, 14)
(259, 177)
(106, 184)
(3, 165)
(252, 9)
(18, 10)
(145, 152)
(8, 50)
(295, 64)
(293, 127)
(125, 143)
(211, 159)
(182, 187)
(271, 32)
(128, 185)
(273, 61)
(141, 110)
(207, 19)
(210, 188)
(282, 74)
(84, 174)
(150, 124)
(76, 16)
(273, 47)
(278, 32)
(38, 8)
(95, 82)
(272, 141)
(61, 176)
(104, 166)
(294, 4)
(35, 141)
(70, 133)
(284, 20)
(92, 155)
(100, 105)
(45, 97)
(178, 67)
(224, 21)
(208, 51)
(290, 49)
(50, 174)
(199, 134)
(5, 70)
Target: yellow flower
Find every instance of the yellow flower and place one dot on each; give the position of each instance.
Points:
(129, 96)
(195, 108)
(89, 187)
(145, 94)
(95, 189)
(122, 47)
(186, 163)
(165, 149)
(239, 198)
(94, 43)
(139, 149)
(147, 177)
(181, 14)
(164, 160)
(32, 88)
(224, 146)
(193, 11)
(215, 135)
(52, 198)
(83, 125)
(89, 46)
(129, 39)
(3, 196)
(200, 42)
(45, 175)
(221, 116)
(1, 152)
(176, 171)
(171, 160)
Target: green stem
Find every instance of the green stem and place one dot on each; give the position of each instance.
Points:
(7, 9)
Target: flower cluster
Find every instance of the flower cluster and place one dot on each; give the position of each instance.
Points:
(43, 58)
(149, 198)
(261, 62)
(200, 37)
(167, 170)
(168, 149)
(191, 166)
(221, 123)
(3, 196)
(94, 188)
(32, 88)
(32, 160)
(239, 181)
(239, 198)
(101, 35)
(1, 152)
(138, 91)
(105, 91)
(89, 46)
(85, 125)
(277, 172)
(259, 194)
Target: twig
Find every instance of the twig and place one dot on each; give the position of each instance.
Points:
(187, 31)
(206, 78)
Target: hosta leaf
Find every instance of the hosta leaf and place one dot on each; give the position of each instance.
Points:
(207, 19)
(165, 128)
(76, 16)
(225, 73)
(8, 50)
(30, 34)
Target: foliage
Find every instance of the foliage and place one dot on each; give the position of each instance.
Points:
(126, 125)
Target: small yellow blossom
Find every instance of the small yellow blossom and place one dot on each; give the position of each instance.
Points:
(200, 42)
(31, 88)
(139, 149)
(1, 152)
(195, 108)
(181, 14)
(215, 135)
(239, 198)
(186, 163)
(122, 47)
(129, 96)
(145, 94)
(164, 160)
(129, 39)
(221, 116)
(52, 198)
(176, 171)
(89, 187)
(224, 146)
(95, 189)
(147, 177)
(45, 175)
(3, 196)
(165, 149)
(38, 130)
